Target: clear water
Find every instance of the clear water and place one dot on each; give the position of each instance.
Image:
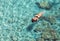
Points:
(15, 19)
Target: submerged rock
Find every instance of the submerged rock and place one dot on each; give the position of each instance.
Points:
(48, 34)
(44, 5)
(47, 4)
(39, 39)
(38, 29)
(52, 19)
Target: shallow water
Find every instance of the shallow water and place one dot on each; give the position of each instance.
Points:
(16, 15)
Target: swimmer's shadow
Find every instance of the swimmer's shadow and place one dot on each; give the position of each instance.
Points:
(30, 27)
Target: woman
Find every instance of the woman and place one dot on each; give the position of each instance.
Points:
(37, 16)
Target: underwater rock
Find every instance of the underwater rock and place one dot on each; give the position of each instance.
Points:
(47, 4)
(44, 5)
(39, 39)
(50, 19)
(46, 35)
(48, 28)
(32, 39)
(44, 23)
(26, 39)
(51, 34)
(38, 29)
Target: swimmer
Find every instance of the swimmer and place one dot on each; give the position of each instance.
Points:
(37, 16)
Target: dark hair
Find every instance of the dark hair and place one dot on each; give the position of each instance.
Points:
(33, 20)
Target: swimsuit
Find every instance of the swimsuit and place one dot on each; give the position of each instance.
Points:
(37, 16)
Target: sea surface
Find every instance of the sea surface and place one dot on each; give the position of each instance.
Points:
(16, 24)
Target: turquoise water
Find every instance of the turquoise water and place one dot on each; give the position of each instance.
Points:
(16, 15)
